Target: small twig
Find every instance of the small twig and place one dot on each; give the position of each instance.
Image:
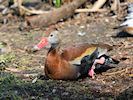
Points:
(120, 71)
(129, 47)
(95, 8)
(19, 50)
(124, 4)
(114, 5)
(40, 56)
(35, 80)
(26, 11)
(98, 4)
(14, 70)
(89, 10)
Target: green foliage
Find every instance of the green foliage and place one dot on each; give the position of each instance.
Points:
(2, 44)
(57, 3)
(5, 58)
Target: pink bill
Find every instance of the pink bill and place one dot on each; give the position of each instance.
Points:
(42, 43)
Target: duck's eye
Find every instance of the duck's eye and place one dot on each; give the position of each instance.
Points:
(51, 35)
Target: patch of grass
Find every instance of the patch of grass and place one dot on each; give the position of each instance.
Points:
(6, 58)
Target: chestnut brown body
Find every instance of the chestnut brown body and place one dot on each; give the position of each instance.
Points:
(58, 64)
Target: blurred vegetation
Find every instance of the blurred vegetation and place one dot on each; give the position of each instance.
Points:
(7, 82)
(13, 88)
(5, 59)
(57, 3)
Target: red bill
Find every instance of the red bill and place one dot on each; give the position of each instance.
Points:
(42, 43)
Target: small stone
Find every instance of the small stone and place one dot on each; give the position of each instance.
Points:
(5, 21)
(82, 26)
(88, 25)
(113, 82)
(5, 11)
(54, 90)
(14, 6)
(34, 80)
(81, 33)
(65, 93)
(16, 92)
(106, 20)
(2, 50)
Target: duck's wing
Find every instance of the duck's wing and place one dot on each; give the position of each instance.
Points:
(75, 53)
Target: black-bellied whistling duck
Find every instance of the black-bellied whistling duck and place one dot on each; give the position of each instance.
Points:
(127, 29)
(127, 25)
(65, 64)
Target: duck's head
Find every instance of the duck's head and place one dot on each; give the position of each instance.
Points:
(54, 38)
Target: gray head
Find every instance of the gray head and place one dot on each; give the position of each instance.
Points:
(53, 38)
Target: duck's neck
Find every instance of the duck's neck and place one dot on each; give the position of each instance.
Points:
(54, 48)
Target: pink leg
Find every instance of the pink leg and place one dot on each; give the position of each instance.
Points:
(91, 72)
(97, 61)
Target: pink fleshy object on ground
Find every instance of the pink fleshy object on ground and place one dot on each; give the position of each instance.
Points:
(42, 43)
(91, 72)
(97, 61)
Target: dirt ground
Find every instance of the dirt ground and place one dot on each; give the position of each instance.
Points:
(116, 83)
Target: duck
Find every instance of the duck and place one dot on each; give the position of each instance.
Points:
(67, 63)
(127, 25)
